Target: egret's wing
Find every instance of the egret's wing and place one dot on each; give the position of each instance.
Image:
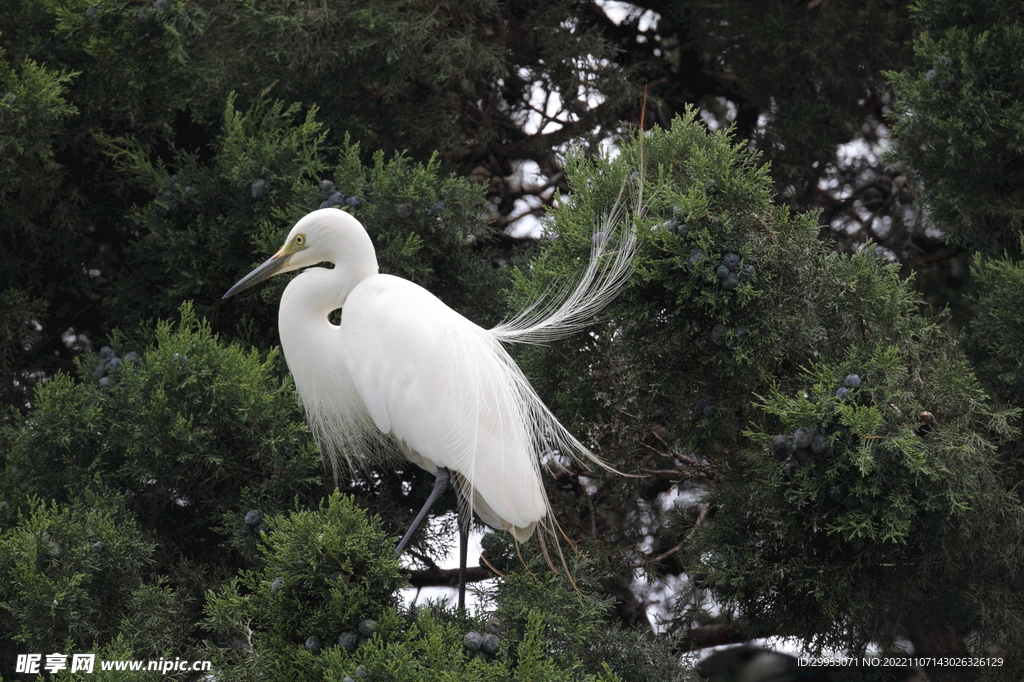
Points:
(446, 389)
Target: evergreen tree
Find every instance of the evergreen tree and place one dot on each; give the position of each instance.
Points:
(812, 450)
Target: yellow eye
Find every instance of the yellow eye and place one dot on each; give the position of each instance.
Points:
(300, 240)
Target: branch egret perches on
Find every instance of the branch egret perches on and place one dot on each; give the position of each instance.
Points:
(404, 370)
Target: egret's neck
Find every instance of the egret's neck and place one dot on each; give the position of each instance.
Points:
(311, 297)
(309, 341)
(315, 292)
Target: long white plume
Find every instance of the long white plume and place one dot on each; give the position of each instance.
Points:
(606, 273)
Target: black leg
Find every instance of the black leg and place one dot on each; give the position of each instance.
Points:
(463, 548)
(440, 484)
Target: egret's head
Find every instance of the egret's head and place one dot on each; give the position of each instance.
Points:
(327, 235)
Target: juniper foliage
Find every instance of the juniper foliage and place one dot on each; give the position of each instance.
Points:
(153, 152)
(967, 70)
(910, 465)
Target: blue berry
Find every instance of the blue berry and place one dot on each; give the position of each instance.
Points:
(718, 334)
(347, 678)
(695, 257)
(472, 641)
(275, 587)
(819, 443)
(436, 208)
(115, 364)
(360, 672)
(489, 644)
(731, 282)
(132, 358)
(731, 260)
(106, 382)
(842, 393)
(91, 12)
(326, 186)
(313, 644)
(802, 437)
(254, 517)
(336, 198)
(99, 370)
(161, 5)
(722, 271)
(851, 381)
(353, 202)
(106, 353)
(258, 189)
(326, 204)
(98, 547)
(493, 625)
(780, 447)
(403, 210)
(366, 626)
(348, 641)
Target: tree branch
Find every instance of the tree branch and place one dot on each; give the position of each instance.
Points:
(447, 577)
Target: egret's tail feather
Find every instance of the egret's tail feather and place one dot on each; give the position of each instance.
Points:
(607, 272)
(605, 275)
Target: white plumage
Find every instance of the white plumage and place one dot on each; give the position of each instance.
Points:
(404, 370)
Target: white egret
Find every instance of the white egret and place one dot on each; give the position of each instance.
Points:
(404, 370)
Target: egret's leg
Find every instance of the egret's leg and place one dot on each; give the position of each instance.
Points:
(463, 548)
(440, 484)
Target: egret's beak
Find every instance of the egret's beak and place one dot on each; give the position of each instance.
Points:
(270, 267)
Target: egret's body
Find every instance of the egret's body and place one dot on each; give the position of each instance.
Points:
(404, 366)
(423, 374)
